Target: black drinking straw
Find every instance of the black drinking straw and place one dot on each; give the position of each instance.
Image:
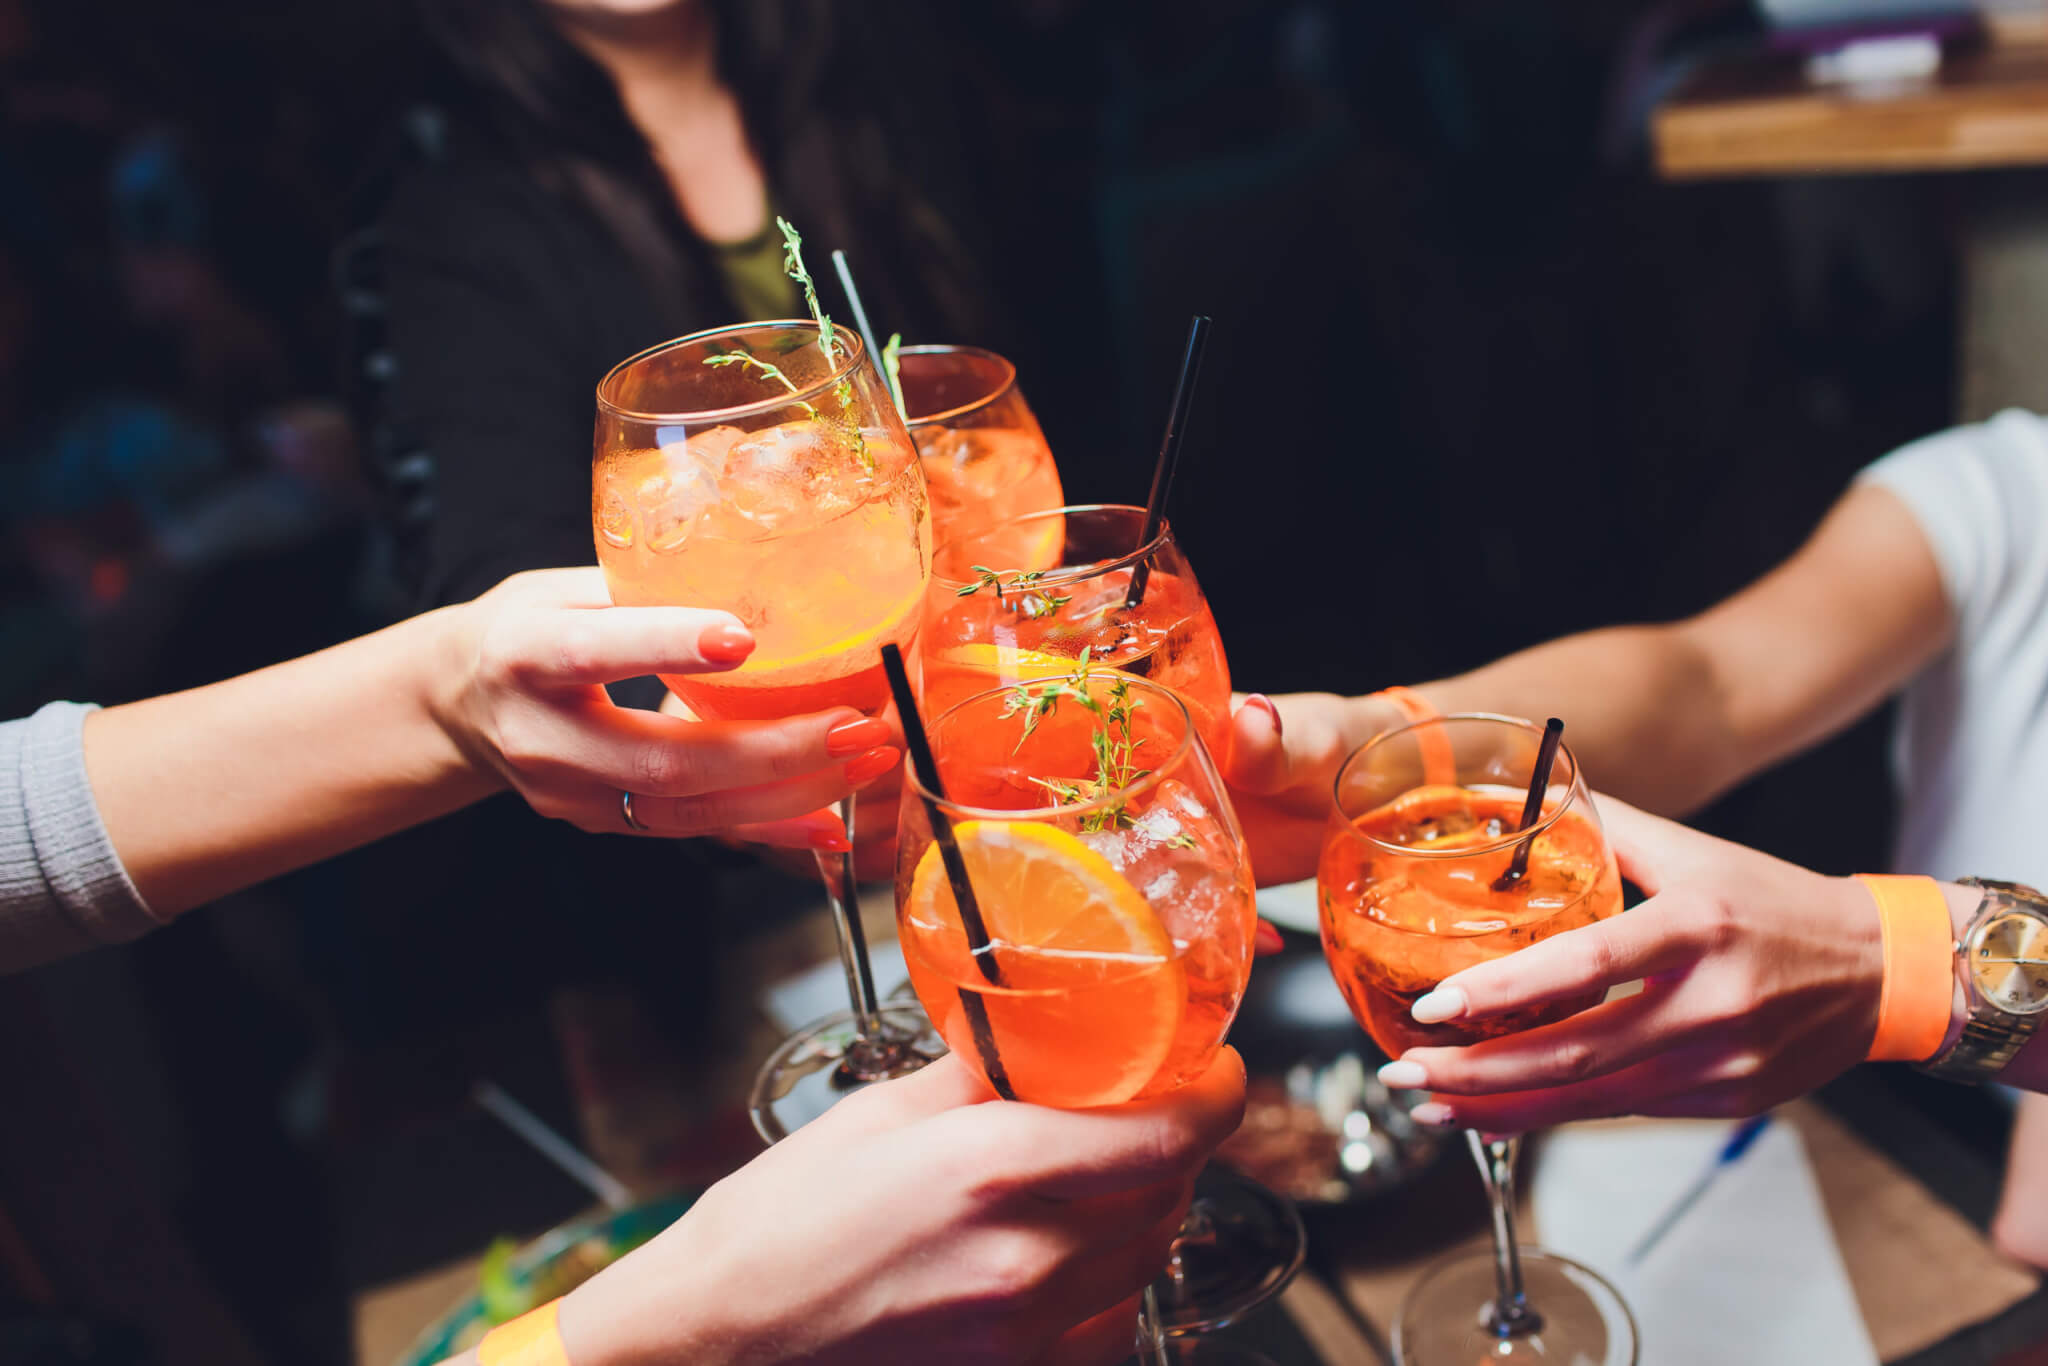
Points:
(1539, 782)
(983, 952)
(867, 331)
(1169, 451)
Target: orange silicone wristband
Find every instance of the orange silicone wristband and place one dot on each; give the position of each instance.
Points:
(1439, 765)
(532, 1339)
(1919, 968)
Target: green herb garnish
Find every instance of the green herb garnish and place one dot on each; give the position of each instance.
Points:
(1115, 748)
(892, 369)
(738, 356)
(793, 266)
(1033, 605)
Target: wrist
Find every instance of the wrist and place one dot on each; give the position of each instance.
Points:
(638, 1312)
(444, 671)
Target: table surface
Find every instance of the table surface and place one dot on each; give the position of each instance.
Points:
(1986, 107)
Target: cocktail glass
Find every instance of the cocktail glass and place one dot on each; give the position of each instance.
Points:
(1021, 600)
(1116, 892)
(753, 469)
(1413, 888)
(985, 459)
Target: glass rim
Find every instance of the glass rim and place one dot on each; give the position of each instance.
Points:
(1544, 820)
(852, 356)
(1074, 573)
(1153, 776)
(938, 419)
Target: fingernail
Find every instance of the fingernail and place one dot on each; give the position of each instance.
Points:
(1403, 1075)
(1267, 939)
(1433, 1113)
(725, 643)
(851, 737)
(1445, 1003)
(871, 765)
(1265, 704)
(832, 840)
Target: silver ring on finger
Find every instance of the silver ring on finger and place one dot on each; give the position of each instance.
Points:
(633, 822)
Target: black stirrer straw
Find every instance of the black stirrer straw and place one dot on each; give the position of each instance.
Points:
(867, 331)
(984, 952)
(1169, 451)
(1539, 782)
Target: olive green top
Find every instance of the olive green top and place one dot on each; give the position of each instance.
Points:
(751, 271)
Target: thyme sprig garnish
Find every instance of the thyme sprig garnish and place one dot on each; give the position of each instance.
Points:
(793, 267)
(828, 343)
(739, 356)
(1115, 747)
(892, 369)
(1033, 603)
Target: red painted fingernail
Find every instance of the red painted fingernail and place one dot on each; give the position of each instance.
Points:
(851, 737)
(725, 644)
(1265, 704)
(831, 841)
(1267, 939)
(872, 765)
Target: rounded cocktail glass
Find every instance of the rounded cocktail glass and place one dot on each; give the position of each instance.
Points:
(985, 459)
(1116, 894)
(753, 469)
(997, 617)
(1413, 886)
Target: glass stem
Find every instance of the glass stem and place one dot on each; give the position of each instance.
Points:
(1509, 1316)
(840, 890)
(1151, 1331)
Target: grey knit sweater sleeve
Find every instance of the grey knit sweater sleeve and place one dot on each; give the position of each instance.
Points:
(62, 886)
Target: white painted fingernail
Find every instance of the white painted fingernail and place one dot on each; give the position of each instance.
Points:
(1403, 1075)
(1434, 1113)
(1445, 1003)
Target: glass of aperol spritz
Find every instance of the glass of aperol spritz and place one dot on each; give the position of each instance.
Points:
(985, 458)
(763, 469)
(1022, 600)
(1116, 893)
(1415, 883)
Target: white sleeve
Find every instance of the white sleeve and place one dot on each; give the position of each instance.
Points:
(1980, 495)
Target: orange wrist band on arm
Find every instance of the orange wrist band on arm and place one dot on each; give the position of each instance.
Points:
(532, 1339)
(1919, 968)
(1439, 765)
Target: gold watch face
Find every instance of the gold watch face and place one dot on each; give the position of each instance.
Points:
(2009, 962)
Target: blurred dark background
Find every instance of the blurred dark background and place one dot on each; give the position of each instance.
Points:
(1478, 379)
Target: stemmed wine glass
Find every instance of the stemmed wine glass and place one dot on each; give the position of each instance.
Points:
(1021, 599)
(1115, 894)
(763, 469)
(1418, 880)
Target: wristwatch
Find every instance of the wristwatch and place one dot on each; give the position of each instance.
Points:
(2002, 966)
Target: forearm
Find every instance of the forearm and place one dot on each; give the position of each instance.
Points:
(208, 791)
(1645, 711)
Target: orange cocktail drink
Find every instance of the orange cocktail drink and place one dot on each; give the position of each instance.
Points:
(985, 459)
(1418, 880)
(1023, 600)
(1113, 882)
(741, 469)
(1404, 906)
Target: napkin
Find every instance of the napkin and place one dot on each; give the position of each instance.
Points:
(1751, 1273)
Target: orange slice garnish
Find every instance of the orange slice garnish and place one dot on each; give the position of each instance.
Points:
(1092, 992)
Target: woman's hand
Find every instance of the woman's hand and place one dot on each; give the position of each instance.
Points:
(525, 700)
(1761, 982)
(923, 1220)
(1282, 766)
